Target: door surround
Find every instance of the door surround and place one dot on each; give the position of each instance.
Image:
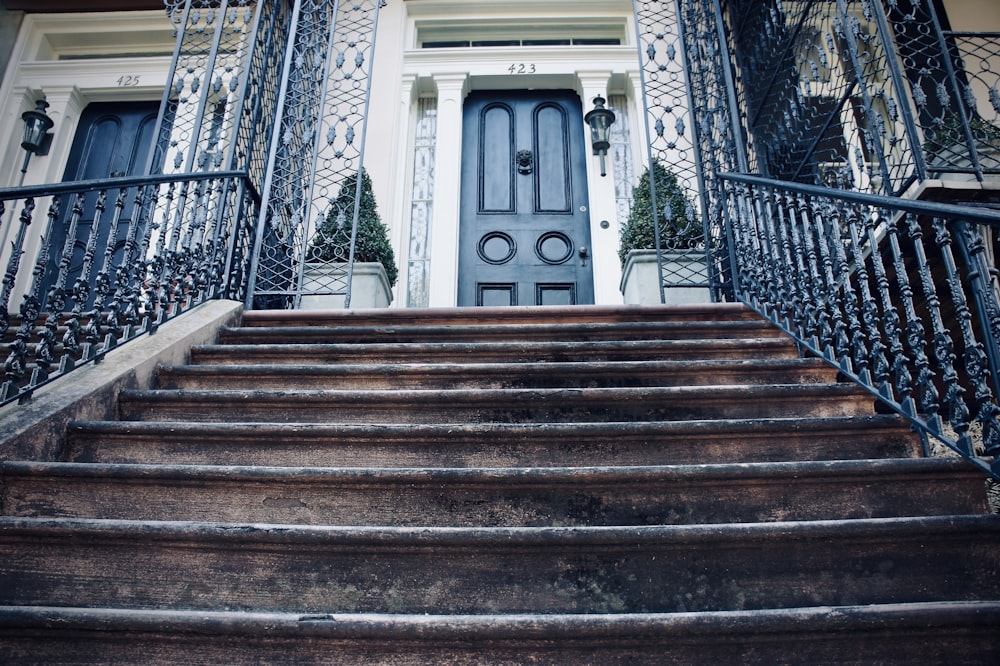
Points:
(451, 89)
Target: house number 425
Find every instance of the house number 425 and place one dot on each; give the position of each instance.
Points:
(128, 81)
(521, 68)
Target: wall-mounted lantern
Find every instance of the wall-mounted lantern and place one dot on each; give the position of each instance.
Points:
(37, 139)
(600, 120)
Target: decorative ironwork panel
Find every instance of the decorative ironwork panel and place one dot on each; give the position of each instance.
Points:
(178, 232)
(895, 293)
(311, 209)
(824, 93)
(689, 126)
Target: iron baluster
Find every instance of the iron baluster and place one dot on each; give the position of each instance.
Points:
(82, 286)
(913, 332)
(105, 284)
(982, 363)
(839, 235)
(14, 262)
(883, 343)
(973, 356)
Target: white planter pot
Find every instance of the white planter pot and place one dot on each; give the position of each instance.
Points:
(369, 287)
(640, 282)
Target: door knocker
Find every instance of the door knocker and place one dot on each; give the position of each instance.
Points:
(524, 162)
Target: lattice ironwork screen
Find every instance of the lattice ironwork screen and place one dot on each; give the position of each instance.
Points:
(305, 242)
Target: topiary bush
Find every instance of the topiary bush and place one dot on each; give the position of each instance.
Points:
(680, 226)
(332, 242)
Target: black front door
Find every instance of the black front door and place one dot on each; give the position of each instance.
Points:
(111, 140)
(524, 237)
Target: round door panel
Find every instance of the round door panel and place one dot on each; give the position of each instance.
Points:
(497, 248)
(554, 247)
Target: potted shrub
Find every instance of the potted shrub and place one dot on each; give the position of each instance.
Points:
(682, 241)
(375, 271)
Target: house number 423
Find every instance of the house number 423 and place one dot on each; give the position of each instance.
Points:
(521, 68)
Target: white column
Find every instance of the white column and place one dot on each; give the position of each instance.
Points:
(400, 181)
(607, 268)
(443, 288)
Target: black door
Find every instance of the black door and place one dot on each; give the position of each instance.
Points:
(524, 237)
(112, 140)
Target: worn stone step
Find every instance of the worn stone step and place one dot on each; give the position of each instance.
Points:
(919, 633)
(501, 352)
(490, 445)
(526, 497)
(657, 569)
(568, 332)
(466, 316)
(496, 375)
(677, 403)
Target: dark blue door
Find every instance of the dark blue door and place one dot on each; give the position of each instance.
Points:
(524, 236)
(112, 140)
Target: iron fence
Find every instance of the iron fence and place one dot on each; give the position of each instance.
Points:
(900, 295)
(114, 260)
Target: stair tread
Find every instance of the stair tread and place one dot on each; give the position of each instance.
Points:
(666, 330)
(474, 366)
(897, 529)
(787, 471)
(333, 430)
(493, 394)
(491, 444)
(490, 315)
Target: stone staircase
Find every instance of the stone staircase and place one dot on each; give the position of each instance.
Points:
(573, 486)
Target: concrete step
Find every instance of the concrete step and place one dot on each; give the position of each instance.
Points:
(654, 569)
(919, 633)
(568, 332)
(496, 375)
(515, 497)
(497, 352)
(497, 405)
(490, 445)
(467, 316)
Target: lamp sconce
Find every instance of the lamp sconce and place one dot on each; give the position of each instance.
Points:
(37, 124)
(600, 120)
(36, 140)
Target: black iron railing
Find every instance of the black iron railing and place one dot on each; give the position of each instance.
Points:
(900, 295)
(92, 264)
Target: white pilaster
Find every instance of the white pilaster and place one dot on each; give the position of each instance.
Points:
(452, 89)
(607, 268)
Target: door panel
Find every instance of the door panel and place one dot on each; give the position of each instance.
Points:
(524, 225)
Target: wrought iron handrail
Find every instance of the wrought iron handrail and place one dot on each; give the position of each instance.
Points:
(53, 189)
(899, 295)
(979, 215)
(117, 257)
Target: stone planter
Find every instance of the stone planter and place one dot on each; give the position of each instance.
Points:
(942, 166)
(369, 288)
(640, 282)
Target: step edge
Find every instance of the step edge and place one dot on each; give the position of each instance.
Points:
(838, 619)
(261, 535)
